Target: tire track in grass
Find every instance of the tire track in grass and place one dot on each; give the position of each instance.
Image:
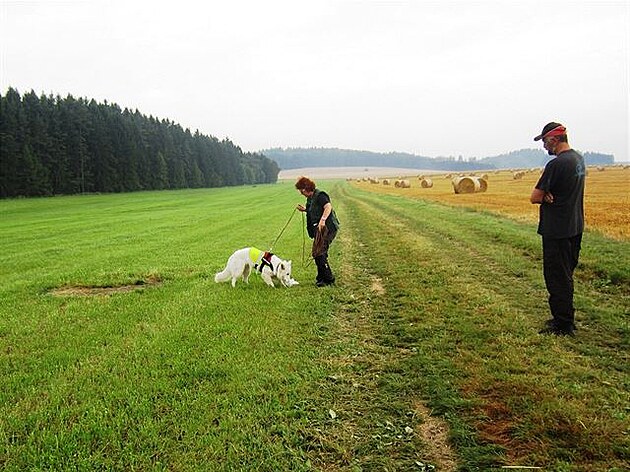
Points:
(464, 262)
(486, 246)
(488, 354)
(369, 426)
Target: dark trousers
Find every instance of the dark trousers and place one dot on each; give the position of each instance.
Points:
(320, 255)
(560, 257)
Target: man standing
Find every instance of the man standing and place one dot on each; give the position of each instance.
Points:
(322, 226)
(560, 194)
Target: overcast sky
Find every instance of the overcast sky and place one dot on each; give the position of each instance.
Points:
(437, 78)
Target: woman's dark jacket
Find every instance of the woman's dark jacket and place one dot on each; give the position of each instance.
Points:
(314, 211)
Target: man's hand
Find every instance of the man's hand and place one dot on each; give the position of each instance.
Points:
(301, 207)
(540, 196)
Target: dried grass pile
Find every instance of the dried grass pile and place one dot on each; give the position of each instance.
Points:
(469, 184)
(483, 184)
(426, 183)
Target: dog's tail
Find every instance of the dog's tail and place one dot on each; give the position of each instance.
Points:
(222, 276)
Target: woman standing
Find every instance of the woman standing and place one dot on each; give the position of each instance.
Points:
(322, 226)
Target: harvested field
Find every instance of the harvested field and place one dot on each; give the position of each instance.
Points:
(350, 172)
(606, 201)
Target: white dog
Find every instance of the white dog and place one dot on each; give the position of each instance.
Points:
(270, 266)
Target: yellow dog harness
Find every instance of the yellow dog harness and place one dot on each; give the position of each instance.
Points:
(260, 259)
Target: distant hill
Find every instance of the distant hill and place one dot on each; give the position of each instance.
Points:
(538, 158)
(296, 158)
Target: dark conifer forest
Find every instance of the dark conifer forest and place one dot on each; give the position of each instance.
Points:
(52, 146)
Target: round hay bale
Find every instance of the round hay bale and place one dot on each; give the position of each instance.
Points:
(466, 185)
(421, 177)
(385, 181)
(426, 183)
(448, 176)
(518, 175)
(484, 176)
(600, 168)
(483, 185)
(405, 184)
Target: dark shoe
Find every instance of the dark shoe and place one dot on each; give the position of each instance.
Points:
(552, 329)
(323, 283)
(551, 323)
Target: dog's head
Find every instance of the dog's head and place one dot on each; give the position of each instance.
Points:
(284, 274)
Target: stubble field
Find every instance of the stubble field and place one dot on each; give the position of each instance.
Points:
(606, 200)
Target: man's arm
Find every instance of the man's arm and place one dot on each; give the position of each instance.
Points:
(537, 196)
(540, 196)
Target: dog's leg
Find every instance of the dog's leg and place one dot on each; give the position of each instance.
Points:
(266, 276)
(246, 271)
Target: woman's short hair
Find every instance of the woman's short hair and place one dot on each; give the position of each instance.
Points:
(304, 183)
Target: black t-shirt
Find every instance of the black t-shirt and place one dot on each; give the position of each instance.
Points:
(563, 177)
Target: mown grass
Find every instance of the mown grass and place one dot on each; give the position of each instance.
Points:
(464, 299)
(432, 327)
(184, 375)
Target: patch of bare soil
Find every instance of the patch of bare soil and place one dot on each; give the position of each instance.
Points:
(434, 434)
(90, 291)
(377, 286)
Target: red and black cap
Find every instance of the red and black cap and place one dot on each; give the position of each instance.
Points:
(551, 129)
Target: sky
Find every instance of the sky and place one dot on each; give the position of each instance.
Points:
(435, 78)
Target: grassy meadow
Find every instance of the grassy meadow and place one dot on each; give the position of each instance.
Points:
(119, 352)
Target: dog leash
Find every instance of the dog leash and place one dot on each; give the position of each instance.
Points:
(282, 231)
(304, 263)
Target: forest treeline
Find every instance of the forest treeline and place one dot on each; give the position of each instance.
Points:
(52, 145)
(295, 158)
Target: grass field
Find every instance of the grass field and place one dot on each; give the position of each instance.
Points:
(424, 356)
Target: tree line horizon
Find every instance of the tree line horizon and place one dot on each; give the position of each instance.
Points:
(61, 146)
(51, 145)
(296, 158)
